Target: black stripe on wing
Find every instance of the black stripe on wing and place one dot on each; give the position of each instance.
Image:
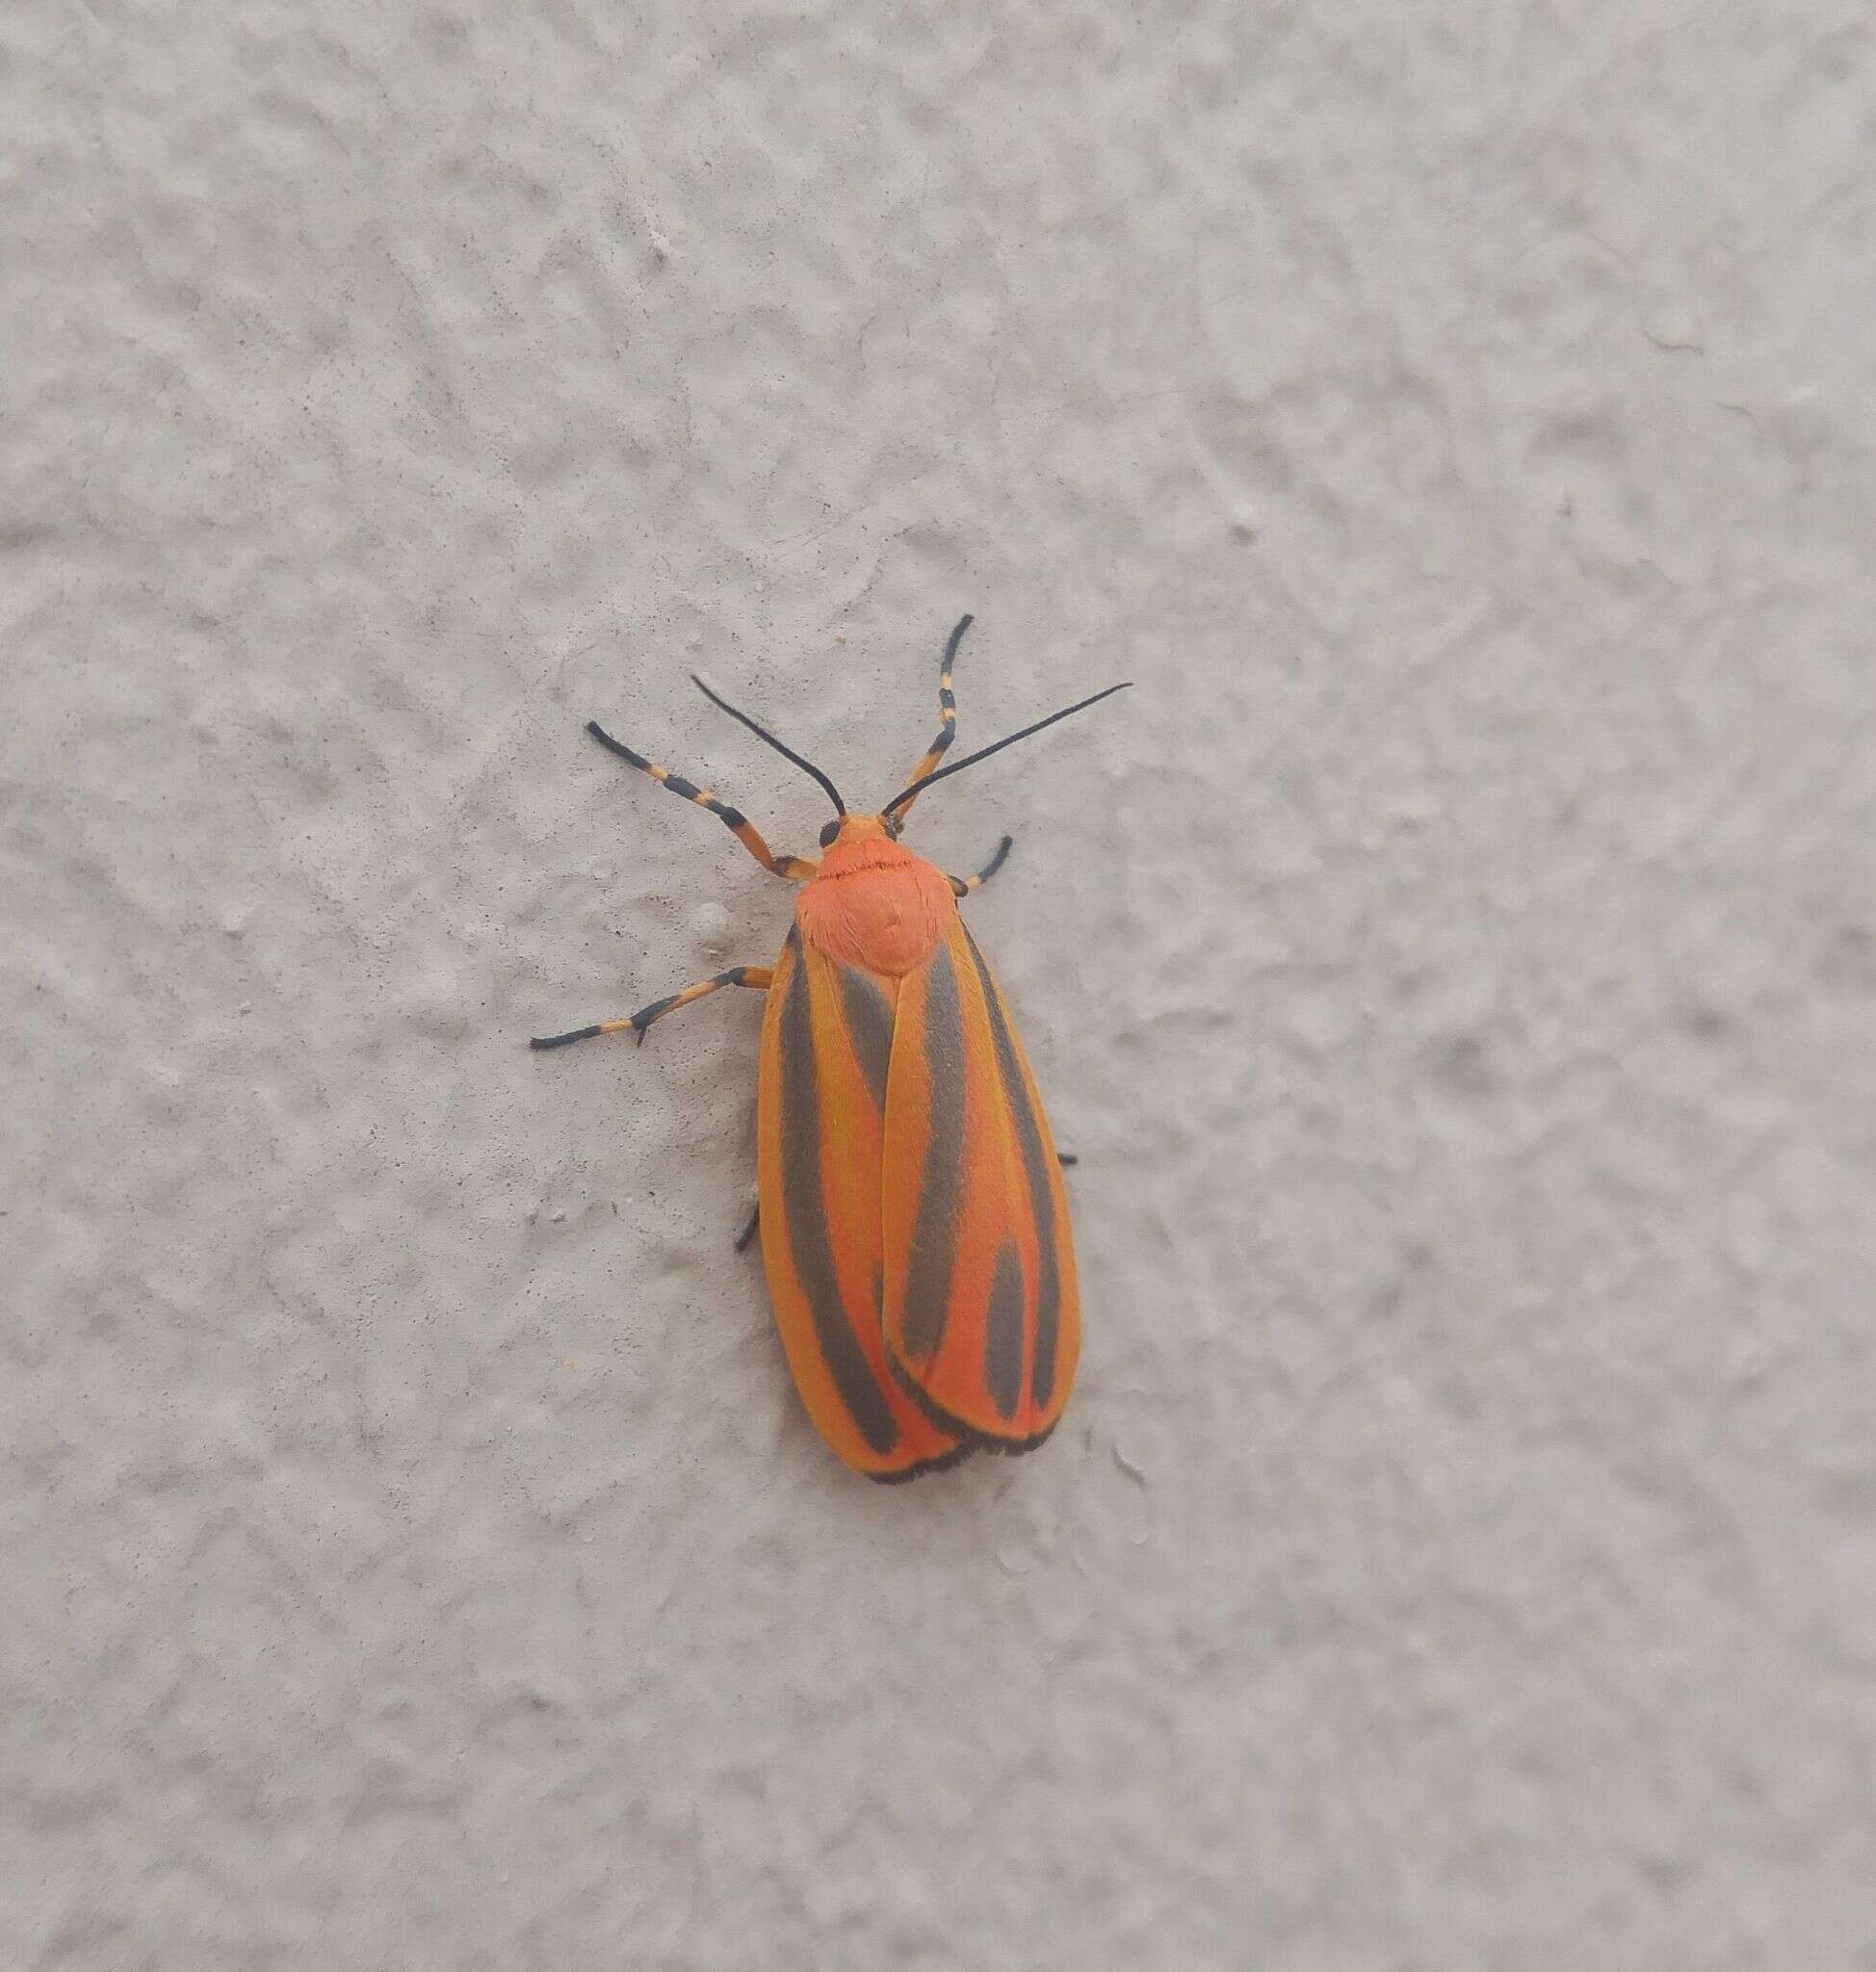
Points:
(804, 1207)
(1038, 1173)
(934, 1236)
(870, 1021)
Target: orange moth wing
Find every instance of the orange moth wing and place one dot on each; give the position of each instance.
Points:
(827, 1043)
(981, 1310)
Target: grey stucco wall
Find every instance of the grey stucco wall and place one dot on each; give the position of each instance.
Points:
(1455, 964)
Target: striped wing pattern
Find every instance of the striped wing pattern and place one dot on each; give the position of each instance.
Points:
(982, 1314)
(826, 1053)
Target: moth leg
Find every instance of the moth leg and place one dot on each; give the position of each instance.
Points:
(748, 1233)
(947, 712)
(797, 868)
(758, 976)
(965, 885)
(1065, 1158)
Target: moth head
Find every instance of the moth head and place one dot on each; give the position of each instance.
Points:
(860, 828)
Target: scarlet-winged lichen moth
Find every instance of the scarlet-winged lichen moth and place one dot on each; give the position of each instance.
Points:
(914, 1226)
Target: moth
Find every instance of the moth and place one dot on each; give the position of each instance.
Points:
(915, 1227)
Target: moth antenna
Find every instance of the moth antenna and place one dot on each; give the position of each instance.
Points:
(762, 733)
(957, 766)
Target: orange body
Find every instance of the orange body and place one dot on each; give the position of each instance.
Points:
(914, 1226)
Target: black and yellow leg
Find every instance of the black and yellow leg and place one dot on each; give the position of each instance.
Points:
(757, 977)
(947, 712)
(965, 885)
(797, 868)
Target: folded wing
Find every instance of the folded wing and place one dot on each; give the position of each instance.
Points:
(983, 1319)
(826, 1049)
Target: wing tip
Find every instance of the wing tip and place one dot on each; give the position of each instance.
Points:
(943, 1463)
(971, 1437)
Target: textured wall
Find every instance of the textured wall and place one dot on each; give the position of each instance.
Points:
(1456, 965)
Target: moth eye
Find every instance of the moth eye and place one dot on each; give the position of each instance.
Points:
(830, 834)
(893, 826)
